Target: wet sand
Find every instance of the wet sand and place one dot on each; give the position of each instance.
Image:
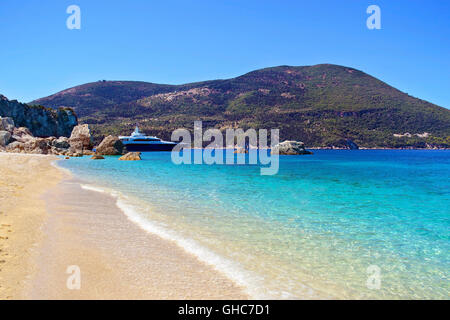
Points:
(116, 258)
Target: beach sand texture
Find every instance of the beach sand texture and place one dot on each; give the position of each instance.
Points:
(49, 223)
(22, 213)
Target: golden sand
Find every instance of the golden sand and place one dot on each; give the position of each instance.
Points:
(49, 223)
(23, 178)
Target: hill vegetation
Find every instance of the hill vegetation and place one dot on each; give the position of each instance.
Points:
(322, 105)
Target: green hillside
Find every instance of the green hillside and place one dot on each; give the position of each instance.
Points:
(322, 105)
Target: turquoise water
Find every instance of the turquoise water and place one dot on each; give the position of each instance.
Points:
(311, 231)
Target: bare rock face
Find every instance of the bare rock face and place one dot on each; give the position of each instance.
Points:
(5, 136)
(290, 148)
(110, 146)
(80, 139)
(42, 122)
(6, 124)
(37, 128)
(131, 156)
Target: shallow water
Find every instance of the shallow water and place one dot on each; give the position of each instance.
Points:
(310, 231)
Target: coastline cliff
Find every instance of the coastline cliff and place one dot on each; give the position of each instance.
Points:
(41, 121)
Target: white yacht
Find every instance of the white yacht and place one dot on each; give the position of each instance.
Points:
(140, 142)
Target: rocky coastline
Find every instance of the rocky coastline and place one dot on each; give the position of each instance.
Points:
(21, 140)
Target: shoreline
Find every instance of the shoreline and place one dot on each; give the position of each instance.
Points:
(247, 281)
(117, 258)
(58, 221)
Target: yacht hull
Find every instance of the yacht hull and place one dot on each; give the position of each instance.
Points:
(149, 147)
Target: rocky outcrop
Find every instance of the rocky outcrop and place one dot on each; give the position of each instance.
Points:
(34, 146)
(22, 135)
(130, 156)
(290, 148)
(33, 129)
(16, 147)
(80, 139)
(5, 137)
(37, 145)
(22, 140)
(41, 121)
(61, 143)
(6, 124)
(97, 157)
(110, 146)
(6, 131)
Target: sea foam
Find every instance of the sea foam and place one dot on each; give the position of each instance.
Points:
(251, 283)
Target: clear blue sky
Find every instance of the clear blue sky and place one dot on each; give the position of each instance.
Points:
(174, 41)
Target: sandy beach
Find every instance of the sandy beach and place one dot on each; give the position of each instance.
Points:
(22, 213)
(49, 224)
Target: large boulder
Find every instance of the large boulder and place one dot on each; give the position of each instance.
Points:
(37, 146)
(31, 145)
(110, 146)
(6, 124)
(5, 137)
(290, 148)
(22, 135)
(61, 143)
(80, 139)
(130, 156)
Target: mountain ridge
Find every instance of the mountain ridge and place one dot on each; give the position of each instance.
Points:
(323, 105)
